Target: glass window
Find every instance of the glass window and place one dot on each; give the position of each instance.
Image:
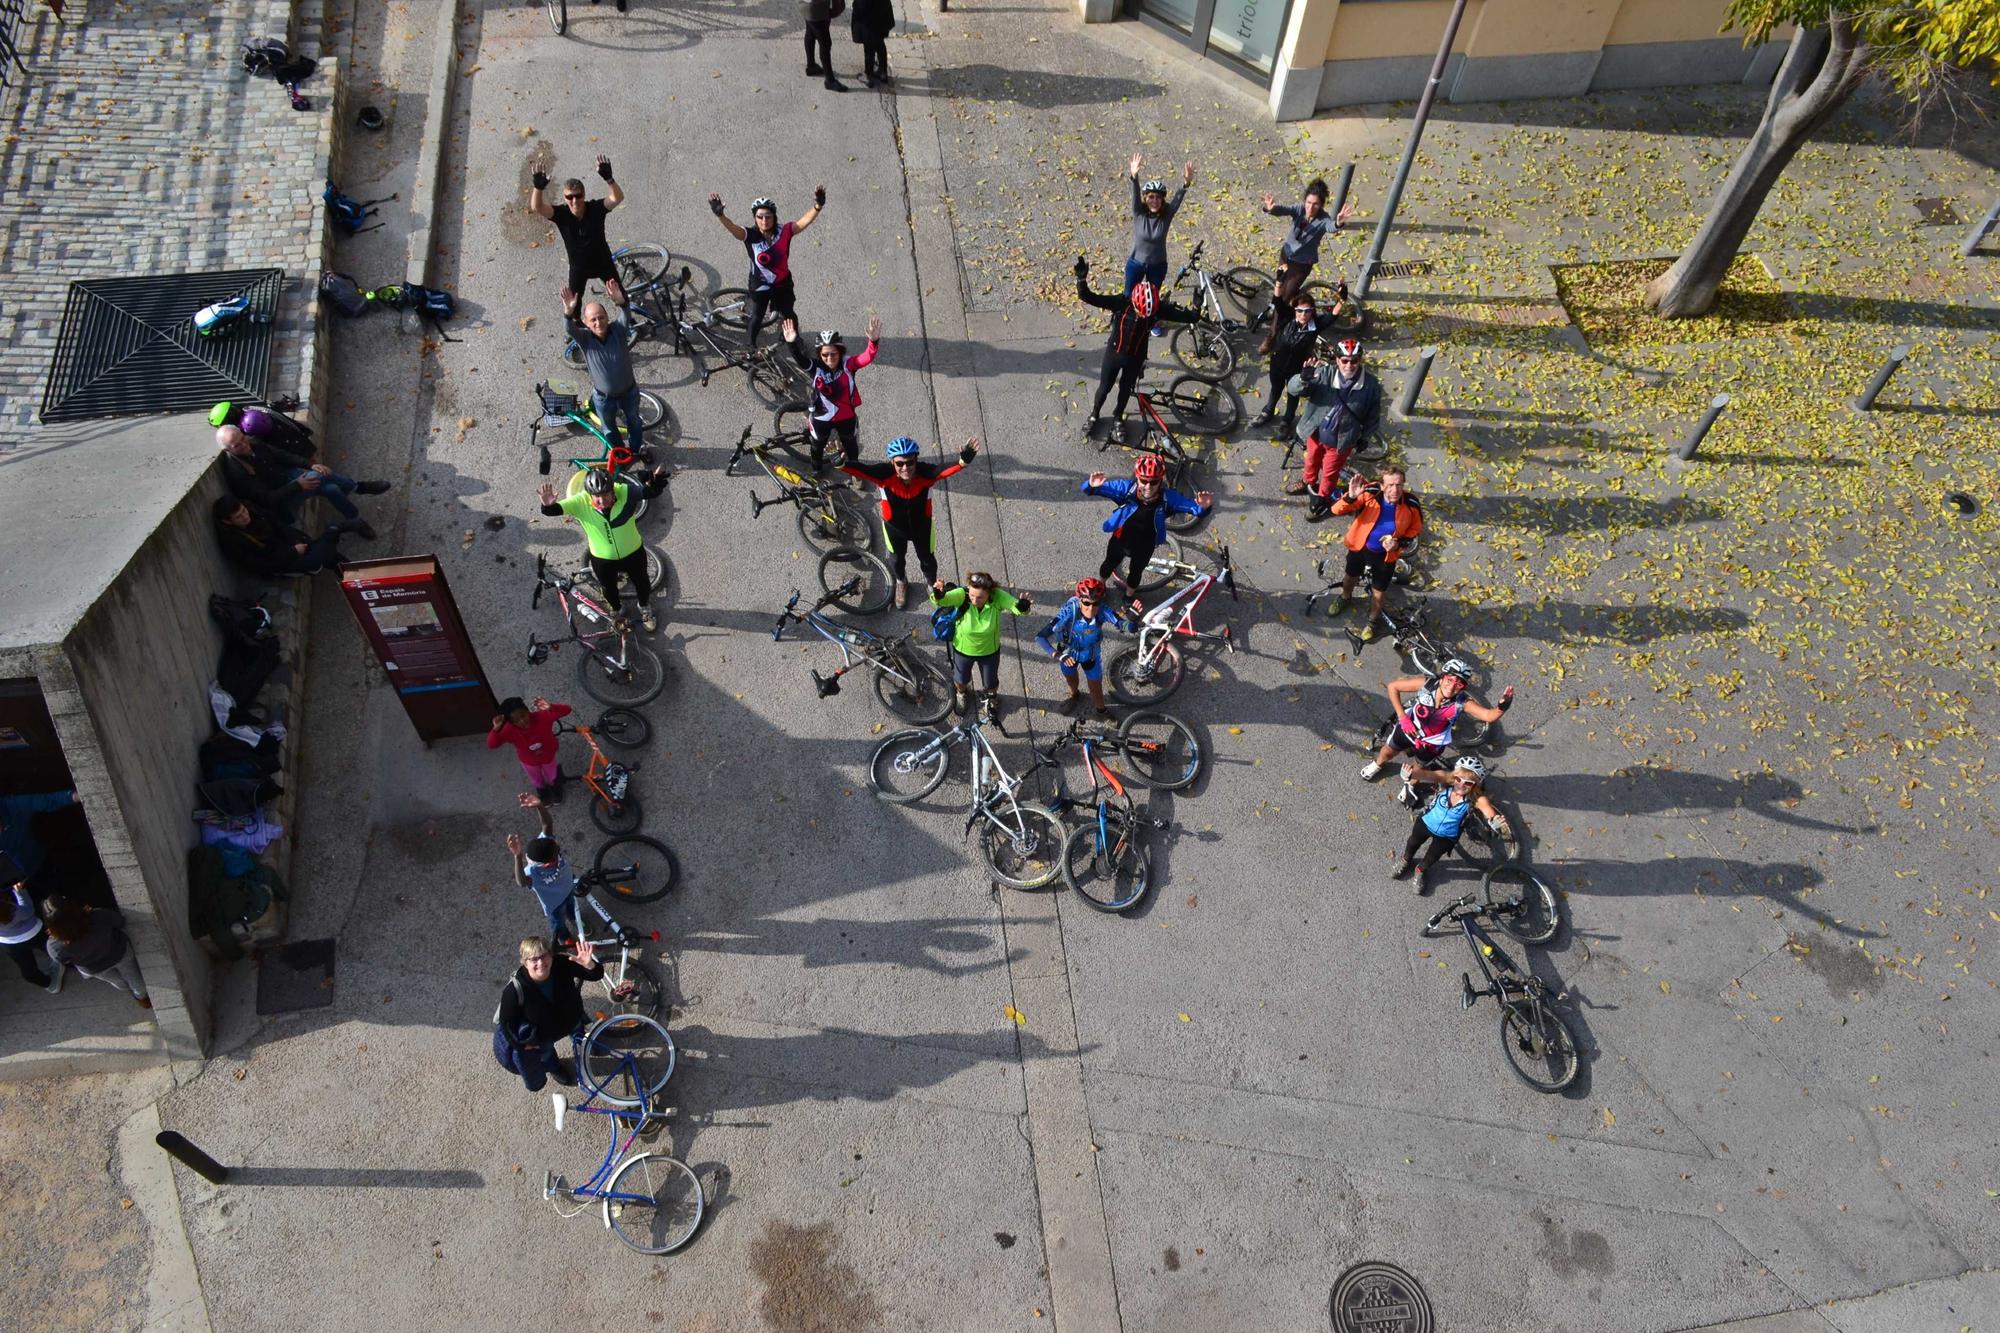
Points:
(1248, 30)
(1180, 13)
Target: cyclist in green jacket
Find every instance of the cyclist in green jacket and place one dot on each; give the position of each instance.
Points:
(975, 633)
(607, 509)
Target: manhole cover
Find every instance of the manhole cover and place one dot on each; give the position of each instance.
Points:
(1938, 213)
(1962, 504)
(297, 976)
(1380, 1298)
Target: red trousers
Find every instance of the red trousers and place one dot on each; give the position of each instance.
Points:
(1323, 465)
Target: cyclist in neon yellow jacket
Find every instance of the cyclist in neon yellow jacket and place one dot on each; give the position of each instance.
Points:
(975, 632)
(607, 509)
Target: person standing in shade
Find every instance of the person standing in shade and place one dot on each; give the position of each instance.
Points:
(904, 483)
(580, 223)
(533, 736)
(606, 345)
(92, 940)
(820, 15)
(873, 21)
(1132, 318)
(1343, 407)
(1152, 214)
(22, 935)
(1300, 251)
(834, 404)
(607, 509)
(1297, 343)
(770, 249)
(975, 635)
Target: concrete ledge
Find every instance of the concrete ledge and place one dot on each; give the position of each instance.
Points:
(1672, 64)
(1496, 78)
(1382, 79)
(430, 153)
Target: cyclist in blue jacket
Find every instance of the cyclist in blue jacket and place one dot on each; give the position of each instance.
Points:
(1139, 524)
(1075, 638)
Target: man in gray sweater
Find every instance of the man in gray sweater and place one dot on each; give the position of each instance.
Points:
(607, 353)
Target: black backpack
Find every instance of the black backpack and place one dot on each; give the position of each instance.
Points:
(433, 305)
(348, 213)
(344, 294)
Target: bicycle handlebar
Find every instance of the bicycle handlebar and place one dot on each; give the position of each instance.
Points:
(541, 567)
(729, 468)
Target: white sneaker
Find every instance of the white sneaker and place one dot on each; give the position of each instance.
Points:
(54, 984)
(1370, 771)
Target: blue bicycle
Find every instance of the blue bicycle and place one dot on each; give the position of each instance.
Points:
(909, 682)
(651, 1201)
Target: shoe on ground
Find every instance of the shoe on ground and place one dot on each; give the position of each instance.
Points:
(1068, 706)
(1371, 771)
(649, 620)
(834, 85)
(1424, 882)
(1318, 511)
(902, 594)
(1106, 715)
(1090, 426)
(884, 76)
(364, 529)
(1338, 605)
(54, 984)
(989, 709)
(1403, 869)
(1296, 486)
(1369, 632)
(1264, 348)
(958, 699)
(371, 488)
(813, 71)
(1264, 418)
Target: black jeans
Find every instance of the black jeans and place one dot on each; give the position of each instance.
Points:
(1135, 546)
(1435, 852)
(781, 301)
(32, 957)
(1123, 369)
(848, 432)
(1281, 375)
(875, 58)
(633, 567)
(819, 47)
(901, 540)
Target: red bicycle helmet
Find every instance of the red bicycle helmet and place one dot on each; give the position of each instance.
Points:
(1349, 347)
(1149, 467)
(1145, 298)
(1090, 590)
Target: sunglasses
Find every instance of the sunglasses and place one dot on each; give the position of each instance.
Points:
(1086, 601)
(1347, 360)
(572, 197)
(905, 462)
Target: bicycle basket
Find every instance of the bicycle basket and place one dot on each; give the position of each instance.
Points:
(556, 406)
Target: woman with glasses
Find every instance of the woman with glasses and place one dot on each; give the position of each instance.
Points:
(543, 1004)
(580, 223)
(1139, 524)
(1075, 639)
(1300, 250)
(1297, 341)
(904, 484)
(975, 635)
(1441, 818)
(770, 249)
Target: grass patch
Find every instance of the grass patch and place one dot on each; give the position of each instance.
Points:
(1606, 301)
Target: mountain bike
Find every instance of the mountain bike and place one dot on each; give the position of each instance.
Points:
(559, 407)
(1022, 844)
(634, 868)
(1538, 1043)
(1150, 670)
(1407, 630)
(613, 668)
(1339, 313)
(719, 329)
(830, 513)
(1204, 346)
(652, 1202)
(1158, 749)
(1186, 472)
(1478, 841)
(628, 986)
(908, 679)
(558, 15)
(1105, 859)
(614, 807)
(645, 312)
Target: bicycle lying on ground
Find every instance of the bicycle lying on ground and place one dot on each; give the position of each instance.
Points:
(1150, 670)
(830, 513)
(628, 986)
(613, 667)
(614, 806)
(1406, 629)
(652, 1202)
(1105, 859)
(559, 407)
(908, 679)
(1022, 844)
(719, 330)
(1540, 1048)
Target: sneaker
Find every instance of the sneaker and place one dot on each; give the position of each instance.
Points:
(1318, 510)
(989, 709)
(649, 621)
(1090, 426)
(55, 982)
(1403, 869)
(958, 699)
(1106, 715)
(1295, 486)
(813, 71)
(1368, 632)
(1338, 606)
(1069, 705)
(363, 529)
(1424, 882)
(1264, 348)
(1262, 419)
(371, 488)
(902, 595)
(834, 85)
(1370, 771)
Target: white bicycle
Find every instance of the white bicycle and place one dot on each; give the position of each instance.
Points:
(1151, 669)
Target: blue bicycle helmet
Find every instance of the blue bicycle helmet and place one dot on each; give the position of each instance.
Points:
(903, 447)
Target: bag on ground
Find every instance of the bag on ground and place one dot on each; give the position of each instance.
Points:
(344, 294)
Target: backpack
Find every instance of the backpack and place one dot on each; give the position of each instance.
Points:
(432, 305)
(263, 57)
(944, 621)
(344, 294)
(220, 319)
(347, 212)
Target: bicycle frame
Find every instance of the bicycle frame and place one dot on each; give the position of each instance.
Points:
(628, 1119)
(874, 650)
(606, 777)
(1174, 618)
(574, 602)
(1207, 303)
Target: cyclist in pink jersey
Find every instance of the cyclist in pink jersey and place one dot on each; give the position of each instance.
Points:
(769, 247)
(836, 397)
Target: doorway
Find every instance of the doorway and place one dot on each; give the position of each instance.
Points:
(1241, 33)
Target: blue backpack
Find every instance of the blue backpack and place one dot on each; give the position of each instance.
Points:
(349, 213)
(944, 621)
(432, 305)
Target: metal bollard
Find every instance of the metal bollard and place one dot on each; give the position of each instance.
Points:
(1340, 188)
(1866, 402)
(1414, 385)
(1693, 439)
(191, 1157)
(1972, 238)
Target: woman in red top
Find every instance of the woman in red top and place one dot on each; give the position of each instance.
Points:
(533, 736)
(836, 397)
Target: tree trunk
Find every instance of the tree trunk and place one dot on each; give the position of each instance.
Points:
(1821, 70)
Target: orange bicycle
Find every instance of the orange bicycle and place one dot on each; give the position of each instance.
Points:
(613, 805)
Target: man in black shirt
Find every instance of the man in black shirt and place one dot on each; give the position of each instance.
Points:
(580, 223)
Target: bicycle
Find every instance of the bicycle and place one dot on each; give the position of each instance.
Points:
(908, 680)
(644, 314)
(1412, 640)
(1022, 844)
(1161, 750)
(558, 15)
(652, 1202)
(1105, 859)
(1150, 670)
(830, 513)
(614, 807)
(559, 406)
(721, 325)
(1479, 842)
(635, 868)
(1538, 1043)
(628, 986)
(1204, 347)
(630, 676)
(1338, 311)
(1184, 469)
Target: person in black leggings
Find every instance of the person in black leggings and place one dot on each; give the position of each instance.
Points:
(770, 249)
(1139, 524)
(1297, 342)
(1132, 318)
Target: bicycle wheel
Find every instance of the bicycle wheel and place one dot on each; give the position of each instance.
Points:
(730, 308)
(558, 15)
(1468, 732)
(1524, 904)
(624, 728)
(839, 520)
(1159, 749)
(1191, 480)
(1540, 1048)
(909, 765)
(626, 1058)
(622, 972)
(1029, 860)
(1370, 448)
(1164, 567)
(1203, 349)
(637, 868)
(924, 696)
(652, 409)
(624, 817)
(638, 680)
(1206, 407)
(573, 354)
(1481, 844)
(640, 267)
(1139, 681)
(656, 573)
(1112, 877)
(1251, 288)
(654, 1203)
(842, 563)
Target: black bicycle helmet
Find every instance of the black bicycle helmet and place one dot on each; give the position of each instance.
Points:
(828, 338)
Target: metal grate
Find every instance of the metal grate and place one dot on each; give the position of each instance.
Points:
(128, 345)
(12, 14)
(1407, 268)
